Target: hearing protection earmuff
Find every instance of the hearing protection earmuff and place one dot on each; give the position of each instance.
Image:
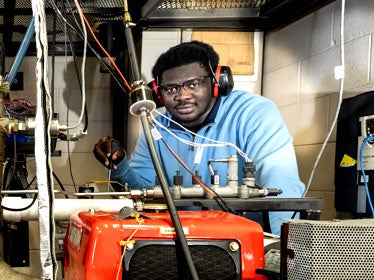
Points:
(222, 85)
(156, 95)
(223, 81)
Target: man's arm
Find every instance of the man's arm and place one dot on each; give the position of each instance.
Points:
(138, 172)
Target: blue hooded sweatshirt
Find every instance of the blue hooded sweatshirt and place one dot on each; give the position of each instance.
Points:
(249, 121)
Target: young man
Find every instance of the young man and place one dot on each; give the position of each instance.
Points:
(185, 75)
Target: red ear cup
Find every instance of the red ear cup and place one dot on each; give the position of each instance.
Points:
(223, 82)
(157, 98)
(216, 85)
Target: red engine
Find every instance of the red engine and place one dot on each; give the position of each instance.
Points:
(223, 246)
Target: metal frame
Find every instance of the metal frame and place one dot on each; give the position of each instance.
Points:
(266, 15)
(309, 208)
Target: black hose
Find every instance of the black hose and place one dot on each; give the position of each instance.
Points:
(169, 200)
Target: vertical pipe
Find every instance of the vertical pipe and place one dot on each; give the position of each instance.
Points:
(21, 52)
(169, 200)
(132, 53)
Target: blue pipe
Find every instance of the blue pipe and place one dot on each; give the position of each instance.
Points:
(21, 52)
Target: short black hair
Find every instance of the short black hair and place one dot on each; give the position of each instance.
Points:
(186, 53)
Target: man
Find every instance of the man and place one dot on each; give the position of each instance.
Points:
(185, 77)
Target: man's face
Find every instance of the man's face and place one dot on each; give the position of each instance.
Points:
(189, 104)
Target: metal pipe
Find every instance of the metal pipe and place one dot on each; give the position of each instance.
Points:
(63, 208)
(20, 192)
(130, 44)
(21, 52)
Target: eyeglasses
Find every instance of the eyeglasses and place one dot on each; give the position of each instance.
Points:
(190, 86)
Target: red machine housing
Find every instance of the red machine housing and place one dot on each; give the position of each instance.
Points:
(92, 248)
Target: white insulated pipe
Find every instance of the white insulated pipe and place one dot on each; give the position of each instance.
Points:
(62, 209)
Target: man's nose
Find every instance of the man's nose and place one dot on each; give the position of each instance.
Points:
(183, 93)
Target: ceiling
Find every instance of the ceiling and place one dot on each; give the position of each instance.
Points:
(236, 15)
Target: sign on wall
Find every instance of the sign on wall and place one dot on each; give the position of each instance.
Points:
(236, 49)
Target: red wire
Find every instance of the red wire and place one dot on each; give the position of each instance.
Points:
(210, 191)
(103, 49)
(201, 183)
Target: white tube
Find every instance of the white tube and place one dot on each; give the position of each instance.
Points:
(63, 208)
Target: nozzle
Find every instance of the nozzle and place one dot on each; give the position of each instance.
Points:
(141, 97)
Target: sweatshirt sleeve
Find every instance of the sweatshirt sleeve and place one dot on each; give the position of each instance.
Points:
(138, 172)
(272, 151)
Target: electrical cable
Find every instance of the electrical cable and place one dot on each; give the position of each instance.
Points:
(218, 143)
(2, 58)
(7, 179)
(212, 193)
(79, 135)
(366, 141)
(19, 107)
(60, 184)
(103, 49)
(26, 207)
(14, 153)
(57, 11)
(341, 91)
(23, 208)
(85, 107)
(9, 175)
(109, 69)
(67, 31)
(83, 67)
(80, 84)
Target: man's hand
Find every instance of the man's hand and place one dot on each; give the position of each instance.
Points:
(109, 152)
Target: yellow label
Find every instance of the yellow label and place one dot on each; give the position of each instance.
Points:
(347, 161)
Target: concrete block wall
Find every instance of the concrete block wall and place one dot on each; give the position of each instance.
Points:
(298, 76)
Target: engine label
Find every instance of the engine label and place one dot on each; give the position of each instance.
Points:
(170, 230)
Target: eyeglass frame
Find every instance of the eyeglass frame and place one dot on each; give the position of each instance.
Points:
(185, 85)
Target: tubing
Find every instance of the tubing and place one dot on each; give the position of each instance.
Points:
(21, 52)
(169, 200)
